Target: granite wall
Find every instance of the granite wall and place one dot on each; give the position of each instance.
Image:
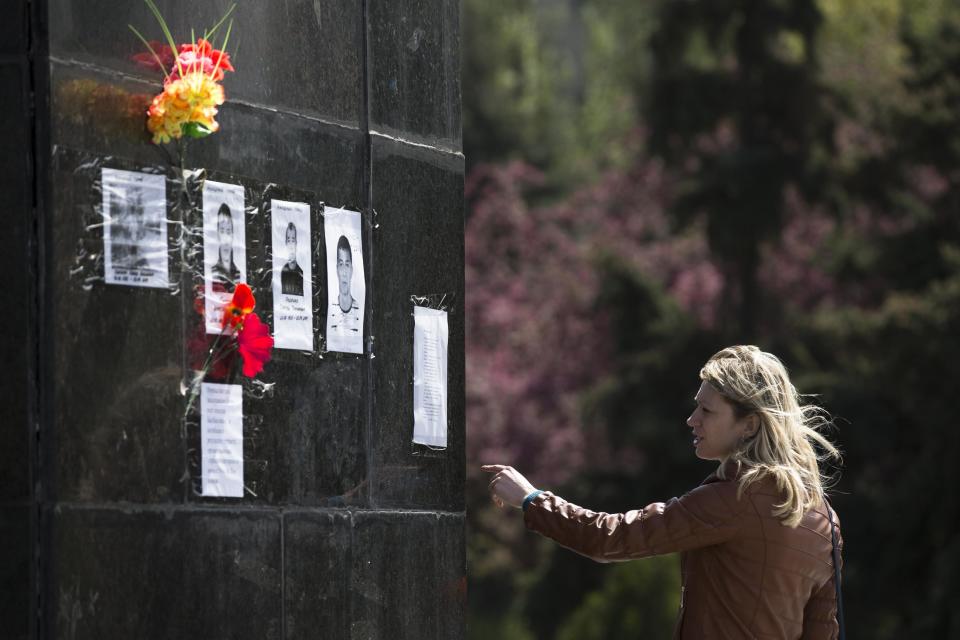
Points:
(18, 351)
(347, 529)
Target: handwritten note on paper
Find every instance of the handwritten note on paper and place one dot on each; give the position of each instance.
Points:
(221, 440)
(430, 337)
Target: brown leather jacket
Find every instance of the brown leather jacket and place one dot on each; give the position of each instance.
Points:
(745, 575)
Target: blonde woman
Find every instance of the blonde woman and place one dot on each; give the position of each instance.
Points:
(758, 541)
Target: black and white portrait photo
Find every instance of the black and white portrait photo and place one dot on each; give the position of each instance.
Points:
(292, 276)
(345, 313)
(225, 271)
(224, 247)
(346, 284)
(135, 228)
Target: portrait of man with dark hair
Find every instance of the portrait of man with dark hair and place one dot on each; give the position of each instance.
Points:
(224, 248)
(344, 310)
(225, 271)
(291, 276)
(346, 285)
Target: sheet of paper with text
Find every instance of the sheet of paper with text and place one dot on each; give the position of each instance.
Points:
(134, 228)
(224, 247)
(221, 440)
(346, 285)
(292, 275)
(430, 338)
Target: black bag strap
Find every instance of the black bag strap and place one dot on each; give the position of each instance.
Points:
(836, 572)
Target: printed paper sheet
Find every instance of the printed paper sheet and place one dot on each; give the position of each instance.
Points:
(430, 341)
(221, 440)
(134, 229)
(346, 286)
(292, 276)
(224, 247)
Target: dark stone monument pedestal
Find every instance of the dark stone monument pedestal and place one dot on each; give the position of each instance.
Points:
(347, 529)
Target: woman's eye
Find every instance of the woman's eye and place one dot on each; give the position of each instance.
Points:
(705, 410)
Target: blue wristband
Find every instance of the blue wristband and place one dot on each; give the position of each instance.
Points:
(530, 498)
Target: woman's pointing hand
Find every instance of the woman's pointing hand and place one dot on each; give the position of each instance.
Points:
(508, 486)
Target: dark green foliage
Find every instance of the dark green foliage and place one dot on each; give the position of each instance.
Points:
(660, 350)
(893, 376)
(913, 176)
(508, 110)
(737, 105)
(637, 600)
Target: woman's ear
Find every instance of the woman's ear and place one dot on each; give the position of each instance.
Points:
(753, 425)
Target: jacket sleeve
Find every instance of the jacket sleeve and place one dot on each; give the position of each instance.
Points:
(703, 517)
(820, 614)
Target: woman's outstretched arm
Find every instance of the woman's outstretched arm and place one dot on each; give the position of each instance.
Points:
(705, 516)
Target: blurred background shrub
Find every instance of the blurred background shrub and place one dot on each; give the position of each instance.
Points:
(649, 182)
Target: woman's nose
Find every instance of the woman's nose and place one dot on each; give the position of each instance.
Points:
(691, 419)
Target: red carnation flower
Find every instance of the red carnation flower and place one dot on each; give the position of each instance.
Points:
(203, 57)
(239, 306)
(255, 344)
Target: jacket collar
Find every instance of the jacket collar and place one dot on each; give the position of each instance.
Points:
(733, 469)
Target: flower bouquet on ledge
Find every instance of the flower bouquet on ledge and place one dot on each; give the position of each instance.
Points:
(192, 72)
(186, 108)
(191, 96)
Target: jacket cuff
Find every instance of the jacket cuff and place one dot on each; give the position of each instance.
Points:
(530, 498)
(533, 506)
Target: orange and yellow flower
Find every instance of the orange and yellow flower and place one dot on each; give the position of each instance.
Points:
(191, 90)
(187, 106)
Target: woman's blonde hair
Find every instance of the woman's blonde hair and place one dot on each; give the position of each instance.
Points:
(786, 444)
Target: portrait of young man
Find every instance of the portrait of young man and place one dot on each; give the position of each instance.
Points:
(344, 310)
(225, 271)
(291, 276)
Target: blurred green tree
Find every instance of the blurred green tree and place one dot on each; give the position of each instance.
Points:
(895, 365)
(737, 106)
(893, 372)
(553, 84)
(512, 85)
(636, 600)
